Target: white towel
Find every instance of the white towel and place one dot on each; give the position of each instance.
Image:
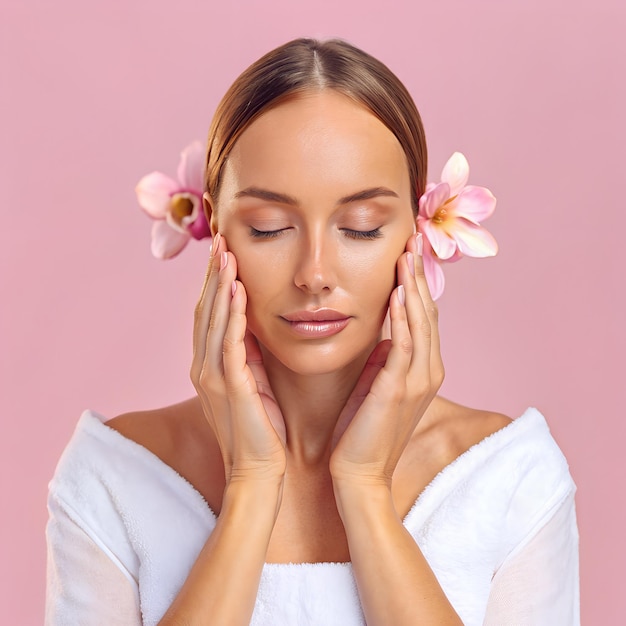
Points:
(497, 526)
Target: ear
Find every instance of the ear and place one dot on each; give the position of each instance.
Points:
(210, 214)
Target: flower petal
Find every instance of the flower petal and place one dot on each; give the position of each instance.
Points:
(434, 274)
(443, 245)
(167, 242)
(200, 228)
(474, 204)
(191, 167)
(455, 172)
(433, 199)
(153, 194)
(457, 256)
(473, 240)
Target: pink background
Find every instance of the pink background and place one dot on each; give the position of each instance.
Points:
(94, 95)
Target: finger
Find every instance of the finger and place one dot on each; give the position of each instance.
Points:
(249, 417)
(385, 332)
(401, 350)
(375, 363)
(429, 305)
(204, 307)
(234, 349)
(264, 389)
(417, 318)
(220, 313)
(254, 359)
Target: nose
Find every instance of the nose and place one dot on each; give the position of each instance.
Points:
(316, 265)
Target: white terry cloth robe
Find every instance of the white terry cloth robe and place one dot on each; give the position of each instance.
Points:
(497, 526)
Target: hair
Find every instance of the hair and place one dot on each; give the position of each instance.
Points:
(305, 65)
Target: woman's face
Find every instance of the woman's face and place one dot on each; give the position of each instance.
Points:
(315, 205)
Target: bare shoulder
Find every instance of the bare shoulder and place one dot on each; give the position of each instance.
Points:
(444, 433)
(181, 437)
(449, 429)
(160, 428)
(458, 427)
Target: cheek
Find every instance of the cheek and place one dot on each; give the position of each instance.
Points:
(372, 271)
(254, 279)
(263, 278)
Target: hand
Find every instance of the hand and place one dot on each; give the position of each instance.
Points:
(398, 383)
(228, 374)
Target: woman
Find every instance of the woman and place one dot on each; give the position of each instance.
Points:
(316, 478)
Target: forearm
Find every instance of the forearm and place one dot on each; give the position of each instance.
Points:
(222, 585)
(395, 582)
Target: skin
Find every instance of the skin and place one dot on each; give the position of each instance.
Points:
(349, 420)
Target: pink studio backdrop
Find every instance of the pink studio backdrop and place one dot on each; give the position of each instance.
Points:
(94, 95)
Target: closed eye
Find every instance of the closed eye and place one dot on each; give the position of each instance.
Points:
(362, 234)
(265, 234)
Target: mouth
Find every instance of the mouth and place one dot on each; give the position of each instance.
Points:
(317, 324)
(320, 315)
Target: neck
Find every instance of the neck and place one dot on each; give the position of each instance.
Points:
(311, 405)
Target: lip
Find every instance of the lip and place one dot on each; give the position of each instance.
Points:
(317, 324)
(319, 315)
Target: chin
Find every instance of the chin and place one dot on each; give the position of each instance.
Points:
(318, 358)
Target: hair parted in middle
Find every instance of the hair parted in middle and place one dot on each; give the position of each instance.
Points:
(305, 65)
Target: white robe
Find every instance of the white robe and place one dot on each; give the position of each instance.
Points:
(497, 526)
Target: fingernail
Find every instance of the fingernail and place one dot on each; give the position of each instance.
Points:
(401, 294)
(223, 260)
(216, 243)
(419, 244)
(233, 288)
(410, 259)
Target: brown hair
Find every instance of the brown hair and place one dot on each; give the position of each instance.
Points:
(307, 64)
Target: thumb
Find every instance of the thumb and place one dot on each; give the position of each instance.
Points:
(374, 364)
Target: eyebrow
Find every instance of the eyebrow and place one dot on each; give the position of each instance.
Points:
(273, 196)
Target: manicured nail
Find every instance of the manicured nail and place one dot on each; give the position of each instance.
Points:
(223, 260)
(401, 294)
(215, 244)
(410, 259)
(233, 288)
(419, 244)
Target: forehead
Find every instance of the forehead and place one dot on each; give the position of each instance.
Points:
(316, 143)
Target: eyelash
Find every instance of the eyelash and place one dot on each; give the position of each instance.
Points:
(362, 234)
(352, 234)
(265, 234)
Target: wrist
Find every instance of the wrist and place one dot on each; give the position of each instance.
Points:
(243, 495)
(362, 497)
(347, 480)
(264, 472)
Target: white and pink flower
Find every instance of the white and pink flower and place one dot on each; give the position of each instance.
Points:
(175, 205)
(449, 217)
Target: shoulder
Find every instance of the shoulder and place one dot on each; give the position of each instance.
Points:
(97, 473)
(517, 459)
(444, 434)
(449, 429)
(159, 430)
(113, 483)
(180, 436)
(517, 456)
(168, 432)
(453, 429)
(115, 460)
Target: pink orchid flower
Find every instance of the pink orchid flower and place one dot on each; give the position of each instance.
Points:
(449, 216)
(176, 205)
